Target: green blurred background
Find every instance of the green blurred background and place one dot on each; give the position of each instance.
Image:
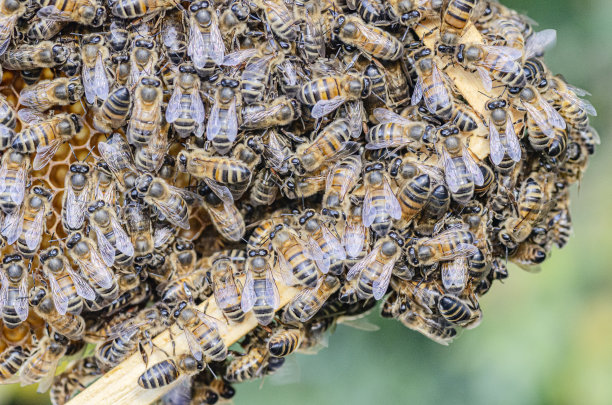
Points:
(545, 338)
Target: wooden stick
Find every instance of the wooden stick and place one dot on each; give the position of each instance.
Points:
(119, 386)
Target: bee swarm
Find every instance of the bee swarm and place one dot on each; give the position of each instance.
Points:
(177, 177)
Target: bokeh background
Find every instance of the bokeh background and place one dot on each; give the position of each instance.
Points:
(545, 338)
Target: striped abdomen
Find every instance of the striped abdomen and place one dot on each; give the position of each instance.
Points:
(413, 196)
(159, 375)
(210, 341)
(11, 360)
(320, 89)
(263, 312)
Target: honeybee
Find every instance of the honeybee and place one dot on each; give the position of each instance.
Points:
(328, 93)
(355, 237)
(36, 208)
(31, 57)
(500, 62)
(206, 47)
(459, 312)
(11, 360)
(380, 205)
(67, 324)
(10, 12)
(113, 112)
(95, 54)
(309, 301)
(14, 290)
(185, 109)
(77, 190)
(145, 122)
(542, 118)
(49, 93)
(183, 288)
(253, 364)
(502, 136)
(169, 370)
(394, 131)
(437, 329)
(341, 178)
(460, 169)
(280, 112)
(86, 12)
(40, 366)
(374, 271)
(305, 186)
(369, 39)
(83, 252)
(332, 143)
(68, 288)
(14, 173)
(295, 260)
(264, 189)
(201, 333)
(455, 16)
(112, 239)
(279, 18)
(413, 196)
(118, 156)
(143, 59)
(138, 226)
(260, 292)
(312, 31)
(74, 379)
(128, 9)
(284, 341)
(324, 246)
(169, 200)
(227, 294)
(8, 119)
(45, 137)
(571, 107)
(431, 87)
(222, 125)
(447, 245)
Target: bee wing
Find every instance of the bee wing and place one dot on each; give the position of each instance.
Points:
(487, 83)
(354, 111)
(75, 208)
(380, 285)
(239, 57)
(284, 270)
(18, 188)
(336, 249)
(173, 111)
(45, 383)
(497, 149)
(116, 156)
(272, 291)
(539, 119)
(21, 302)
(385, 116)
(392, 206)
(578, 91)
(368, 212)
(417, 93)
(213, 126)
(13, 224)
(29, 98)
(29, 116)
(320, 257)
(54, 14)
(360, 265)
(194, 346)
(122, 240)
(554, 117)
(441, 98)
(82, 288)
(582, 104)
(512, 141)
(96, 269)
(232, 122)
(3, 182)
(472, 167)
(197, 107)
(248, 293)
(540, 42)
(7, 25)
(33, 236)
(324, 107)
(354, 236)
(87, 76)
(451, 173)
(107, 250)
(3, 289)
(196, 47)
(101, 85)
(44, 154)
(59, 298)
(505, 53)
(169, 211)
(216, 48)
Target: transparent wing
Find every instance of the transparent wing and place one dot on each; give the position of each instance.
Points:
(75, 208)
(18, 189)
(101, 84)
(436, 100)
(216, 48)
(7, 25)
(354, 111)
(169, 210)
(582, 104)
(232, 122)
(335, 247)
(501, 53)
(239, 57)
(354, 236)
(578, 91)
(392, 206)
(348, 148)
(417, 93)
(12, 226)
(380, 284)
(385, 116)
(29, 97)
(162, 236)
(512, 141)
(196, 46)
(485, 78)
(540, 42)
(82, 288)
(248, 293)
(451, 172)
(194, 346)
(96, 269)
(21, 302)
(30, 116)
(44, 154)
(554, 117)
(3, 289)
(197, 107)
(497, 149)
(539, 119)
(284, 270)
(324, 107)
(360, 265)
(106, 249)
(368, 212)
(3, 182)
(54, 14)
(173, 111)
(122, 240)
(59, 298)
(318, 255)
(87, 77)
(33, 236)
(273, 298)
(472, 167)
(213, 126)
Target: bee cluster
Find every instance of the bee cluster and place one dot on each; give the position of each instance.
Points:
(157, 154)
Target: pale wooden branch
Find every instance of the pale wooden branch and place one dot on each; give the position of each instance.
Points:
(119, 386)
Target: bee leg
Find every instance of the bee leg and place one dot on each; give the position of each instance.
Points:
(143, 354)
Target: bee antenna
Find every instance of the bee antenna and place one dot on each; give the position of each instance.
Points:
(73, 154)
